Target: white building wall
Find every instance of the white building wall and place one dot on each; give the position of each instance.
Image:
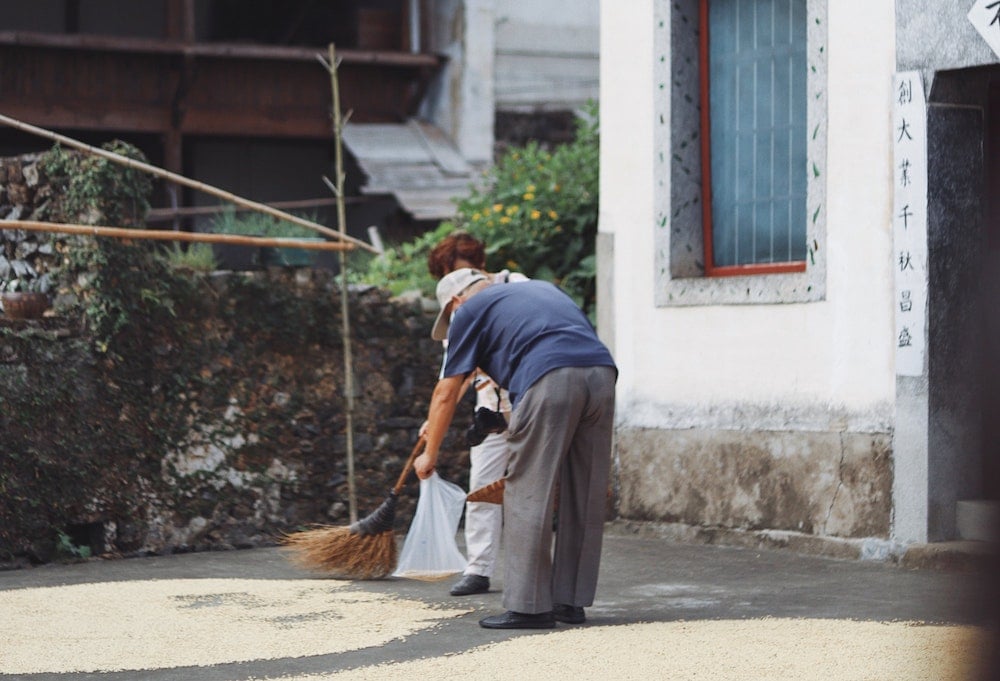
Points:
(812, 356)
(824, 367)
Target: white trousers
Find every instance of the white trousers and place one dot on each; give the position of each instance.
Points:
(483, 521)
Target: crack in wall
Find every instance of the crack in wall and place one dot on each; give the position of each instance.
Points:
(840, 484)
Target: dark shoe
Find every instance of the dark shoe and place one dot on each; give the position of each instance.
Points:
(569, 614)
(518, 620)
(470, 584)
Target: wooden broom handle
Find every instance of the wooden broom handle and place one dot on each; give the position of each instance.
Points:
(421, 441)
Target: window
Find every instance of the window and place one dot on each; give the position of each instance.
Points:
(768, 234)
(753, 118)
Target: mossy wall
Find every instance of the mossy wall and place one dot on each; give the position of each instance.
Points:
(157, 409)
(222, 428)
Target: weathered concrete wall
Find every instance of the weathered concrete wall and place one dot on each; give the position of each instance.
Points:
(547, 54)
(827, 484)
(461, 100)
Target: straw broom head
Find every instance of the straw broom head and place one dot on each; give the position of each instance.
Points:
(363, 550)
(342, 553)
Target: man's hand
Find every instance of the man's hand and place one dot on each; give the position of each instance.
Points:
(424, 466)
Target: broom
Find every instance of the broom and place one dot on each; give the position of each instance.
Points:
(365, 549)
(489, 494)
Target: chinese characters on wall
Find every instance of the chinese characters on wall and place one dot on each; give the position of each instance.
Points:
(985, 16)
(909, 222)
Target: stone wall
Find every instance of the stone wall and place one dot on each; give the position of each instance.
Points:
(24, 195)
(225, 438)
(174, 410)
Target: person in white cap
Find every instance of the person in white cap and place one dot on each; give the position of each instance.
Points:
(537, 344)
(488, 458)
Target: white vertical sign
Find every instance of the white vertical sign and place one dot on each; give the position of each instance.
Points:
(985, 16)
(909, 222)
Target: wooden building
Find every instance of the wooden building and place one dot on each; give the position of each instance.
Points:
(229, 92)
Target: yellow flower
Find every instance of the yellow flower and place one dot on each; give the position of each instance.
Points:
(529, 196)
(535, 214)
(530, 189)
(554, 215)
(475, 217)
(511, 210)
(511, 265)
(504, 220)
(558, 228)
(497, 207)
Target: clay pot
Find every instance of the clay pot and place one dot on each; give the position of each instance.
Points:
(24, 304)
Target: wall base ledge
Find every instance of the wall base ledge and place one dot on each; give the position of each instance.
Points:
(957, 556)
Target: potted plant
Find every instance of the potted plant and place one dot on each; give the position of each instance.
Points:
(24, 298)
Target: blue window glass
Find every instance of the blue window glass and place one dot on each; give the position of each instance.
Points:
(757, 114)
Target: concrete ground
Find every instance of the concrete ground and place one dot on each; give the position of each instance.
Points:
(643, 579)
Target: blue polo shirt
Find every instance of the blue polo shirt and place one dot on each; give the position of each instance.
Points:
(519, 333)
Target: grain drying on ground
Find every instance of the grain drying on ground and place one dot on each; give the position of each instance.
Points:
(172, 623)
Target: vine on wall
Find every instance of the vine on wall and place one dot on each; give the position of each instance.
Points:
(178, 410)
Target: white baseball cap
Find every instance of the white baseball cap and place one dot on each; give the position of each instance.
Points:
(450, 286)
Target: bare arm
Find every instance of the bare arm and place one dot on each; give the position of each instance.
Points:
(442, 410)
(458, 396)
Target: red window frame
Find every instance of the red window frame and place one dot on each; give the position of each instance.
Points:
(711, 270)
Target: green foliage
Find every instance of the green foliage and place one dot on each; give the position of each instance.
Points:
(536, 211)
(252, 223)
(263, 225)
(66, 549)
(92, 190)
(115, 281)
(198, 257)
(403, 268)
(26, 283)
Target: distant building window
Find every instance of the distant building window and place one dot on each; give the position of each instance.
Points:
(753, 106)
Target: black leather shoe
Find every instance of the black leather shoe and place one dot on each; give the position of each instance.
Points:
(569, 614)
(470, 584)
(519, 620)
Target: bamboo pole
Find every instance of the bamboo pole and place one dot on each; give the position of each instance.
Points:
(352, 497)
(171, 235)
(180, 179)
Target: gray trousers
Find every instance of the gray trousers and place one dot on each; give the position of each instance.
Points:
(561, 431)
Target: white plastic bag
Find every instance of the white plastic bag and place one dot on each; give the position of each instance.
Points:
(429, 551)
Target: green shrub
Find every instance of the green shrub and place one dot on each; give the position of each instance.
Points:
(93, 190)
(198, 257)
(536, 211)
(253, 223)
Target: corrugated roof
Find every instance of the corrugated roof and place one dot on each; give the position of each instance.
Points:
(413, 161)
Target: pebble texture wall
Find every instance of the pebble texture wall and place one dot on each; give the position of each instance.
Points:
(214, 417)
